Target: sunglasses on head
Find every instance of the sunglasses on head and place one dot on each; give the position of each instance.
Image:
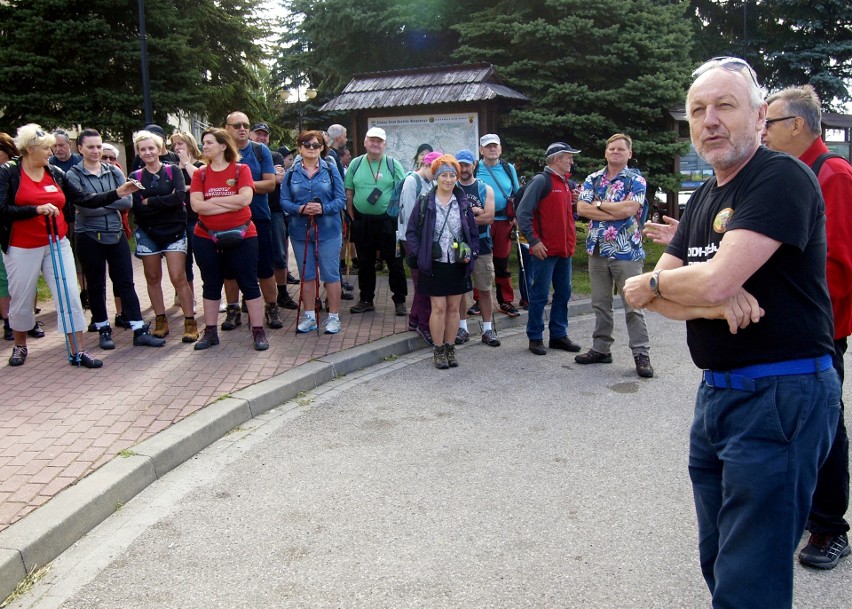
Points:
(732, 64)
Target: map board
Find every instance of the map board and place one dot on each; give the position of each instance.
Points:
(444, 132)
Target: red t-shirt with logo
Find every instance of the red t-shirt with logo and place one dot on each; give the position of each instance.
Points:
(222, 184)
(32, 232)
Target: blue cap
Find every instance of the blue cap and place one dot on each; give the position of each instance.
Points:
(465, 156)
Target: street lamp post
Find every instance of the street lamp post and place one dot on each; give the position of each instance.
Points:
(310, 93)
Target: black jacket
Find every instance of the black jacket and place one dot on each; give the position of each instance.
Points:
(10, 180)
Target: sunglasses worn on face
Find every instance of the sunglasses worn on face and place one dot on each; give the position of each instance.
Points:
(109, 158)
(732, 64)
(239, 125)
(313, 146)
(770, 121)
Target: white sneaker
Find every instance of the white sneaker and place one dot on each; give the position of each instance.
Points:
(332, 325)
(306, 324)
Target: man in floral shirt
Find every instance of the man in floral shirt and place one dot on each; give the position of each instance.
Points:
(614, 200)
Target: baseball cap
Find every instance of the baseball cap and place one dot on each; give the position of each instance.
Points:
(156, 129)
(261, 127)
(377, 132)
(465, 156)
(489, 138)
(431, 157)
(557, 147)
(284, 151)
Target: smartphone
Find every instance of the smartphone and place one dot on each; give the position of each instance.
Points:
(136, 183)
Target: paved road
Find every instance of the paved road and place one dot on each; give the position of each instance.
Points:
(513, 481)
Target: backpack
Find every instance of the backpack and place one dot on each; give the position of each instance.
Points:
(357, 163)
(393, 204)
(818, 162)
(137, 175)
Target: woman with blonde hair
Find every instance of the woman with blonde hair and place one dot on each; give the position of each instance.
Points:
(34, 198)
(161, 232)
(8, 151)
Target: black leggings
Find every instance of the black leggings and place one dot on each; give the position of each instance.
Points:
(239, 263)
(94, 257)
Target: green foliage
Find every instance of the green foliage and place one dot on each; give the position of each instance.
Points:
(78, 62)
(788, 42)
(591, 70)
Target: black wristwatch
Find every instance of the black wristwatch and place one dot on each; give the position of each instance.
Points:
(655, 283)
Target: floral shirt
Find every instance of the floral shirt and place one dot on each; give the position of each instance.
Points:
(618, 239)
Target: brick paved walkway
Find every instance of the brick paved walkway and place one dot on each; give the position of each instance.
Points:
(58, 423)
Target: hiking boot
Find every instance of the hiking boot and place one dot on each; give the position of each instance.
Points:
(209, 339)
(161, 326)
(92, 327)
(594, 357)
(190, 330)
(450, 350)
(122, 322)
(508, 309)
(474, 309)
(332, 325)
(346, 286)
(462, 336)
(400, 309)
(537, 347)
(36, 331)
(489, 337)
(824, 551)
(440, 357)
(643, 366)
(8, 334)
(291, 280)
(346, 296)
(273, 316)
(564, 343)
(285, 301)
(362, 307)
(19, 356)
(426, 335)
(84, 359)
(306, 324)
(143, 338)
(259, 336)
(233, 317)
(105, 338)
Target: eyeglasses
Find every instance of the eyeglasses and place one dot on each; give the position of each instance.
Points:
(731, 64)
(312, 145)
(239, 125)
(770, 121)
(109, 158)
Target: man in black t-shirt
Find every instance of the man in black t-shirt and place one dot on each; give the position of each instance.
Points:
(746, 269)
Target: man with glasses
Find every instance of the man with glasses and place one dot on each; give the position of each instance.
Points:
(259, 160)
(369, 184)
(746, 270)
(794, 126)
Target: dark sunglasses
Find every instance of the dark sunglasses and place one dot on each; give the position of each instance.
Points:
(732, 64)
(770, 121)
(155, 181)
(312, 145)
(239, 125)
(109, 158)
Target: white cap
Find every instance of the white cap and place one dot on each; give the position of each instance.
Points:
(489, 138)
(377, 132)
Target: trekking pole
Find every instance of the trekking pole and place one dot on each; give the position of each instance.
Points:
(56, 259)
(317, 301)
(523, 270)
(302, 277)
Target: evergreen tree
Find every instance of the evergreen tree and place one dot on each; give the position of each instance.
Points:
(591, 70)
(78, 62)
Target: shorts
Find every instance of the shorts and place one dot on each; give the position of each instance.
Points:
(483, 272)
(329, 260)
(145, 246)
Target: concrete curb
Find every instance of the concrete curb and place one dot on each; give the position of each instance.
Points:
(45, 533)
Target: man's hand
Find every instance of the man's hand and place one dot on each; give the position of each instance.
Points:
(539, 250)
(741, 310)
(637, 291)
(661, 233)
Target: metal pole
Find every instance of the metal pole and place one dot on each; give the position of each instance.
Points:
(146, 82)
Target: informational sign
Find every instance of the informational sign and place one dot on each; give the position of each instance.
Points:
(444, 132)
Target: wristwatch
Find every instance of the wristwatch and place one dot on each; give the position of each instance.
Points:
(598, 204)
(655, 283)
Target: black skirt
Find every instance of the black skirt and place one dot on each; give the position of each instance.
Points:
(446, 280)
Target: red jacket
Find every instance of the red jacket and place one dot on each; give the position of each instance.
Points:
(549, 218)
(835, 180)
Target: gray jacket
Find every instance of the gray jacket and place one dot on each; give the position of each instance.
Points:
(103, 220)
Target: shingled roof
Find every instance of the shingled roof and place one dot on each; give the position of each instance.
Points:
(421, 87)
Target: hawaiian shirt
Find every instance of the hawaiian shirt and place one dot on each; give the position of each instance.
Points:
(619, 239)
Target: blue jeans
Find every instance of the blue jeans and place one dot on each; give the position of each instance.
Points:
(753, 461)
(279, 240)
(542, 273)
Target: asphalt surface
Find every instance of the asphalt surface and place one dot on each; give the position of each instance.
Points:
(512, 481)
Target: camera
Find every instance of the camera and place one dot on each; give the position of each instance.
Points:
(374, 196)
